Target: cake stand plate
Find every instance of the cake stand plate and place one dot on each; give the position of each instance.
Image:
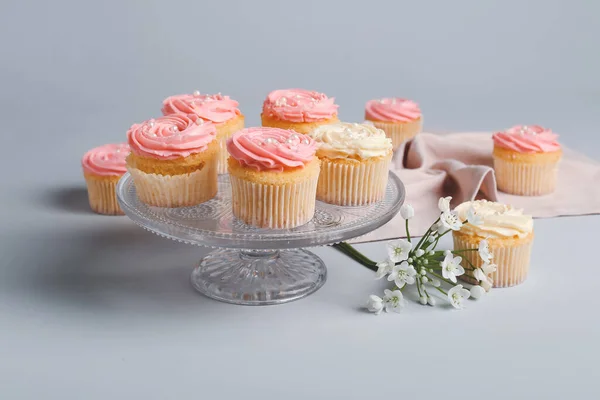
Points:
(257, 266)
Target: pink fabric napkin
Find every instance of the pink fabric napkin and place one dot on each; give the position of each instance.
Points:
(460, 165)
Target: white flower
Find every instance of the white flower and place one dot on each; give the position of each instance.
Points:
(473, 218)
(488, 268)
(402, 274)
(398, 250)
(487, 284)
(451, 267)
(477, 292)
(394, 301)
(448, 220)
(484, 251)
(375, 304)
(479, 274)
(457, 294)
(384, 268)
(431, 301)
(444, 204)
(407, 211)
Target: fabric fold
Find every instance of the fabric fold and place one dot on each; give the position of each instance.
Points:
(460, 165)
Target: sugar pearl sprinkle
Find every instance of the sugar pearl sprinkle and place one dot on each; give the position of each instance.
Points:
(292, 142)
(196, 93)
(525, 130)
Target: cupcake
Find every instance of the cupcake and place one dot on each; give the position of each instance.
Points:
(400, 119)
(273, 175)
(509, 235)
(216, 108)
(526, 160)
(102, 168)
(355, 159)
(173, 160)
(298, 109)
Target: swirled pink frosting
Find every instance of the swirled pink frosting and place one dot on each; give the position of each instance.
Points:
(216, 107)
(299, 105)
(271, 149)
(392, 109)
(527, 139)
(107, 160)
(171, 136)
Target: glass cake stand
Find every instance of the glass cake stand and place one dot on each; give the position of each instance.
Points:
(257, 266)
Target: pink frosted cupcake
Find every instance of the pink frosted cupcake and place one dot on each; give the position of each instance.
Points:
(298, 109)
(102, 168)
(273, 175)
(173, 160)
(400, 119)
(526, 160)
(216, 108)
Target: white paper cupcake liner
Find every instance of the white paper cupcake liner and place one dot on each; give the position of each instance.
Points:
(512, 261)
(102, 196)
(525, 179)
(176, 190)
(222, 156)
(352, 184)
(400, 132)
(273, 206)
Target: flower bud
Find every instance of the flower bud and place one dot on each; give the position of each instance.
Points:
(436, 283)
(431, 301)
(425, 279)
(425, 261)
(423, 300)
(477, 292)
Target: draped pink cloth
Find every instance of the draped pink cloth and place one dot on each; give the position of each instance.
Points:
(460, 165)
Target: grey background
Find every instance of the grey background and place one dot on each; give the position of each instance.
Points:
(93, 307)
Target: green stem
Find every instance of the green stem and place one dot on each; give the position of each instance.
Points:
(441, 290)
(407, 232)
(356, 255)
(426, 235)
(442, 278)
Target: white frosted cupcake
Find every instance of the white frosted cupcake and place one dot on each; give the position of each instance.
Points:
(355, 160)
(509, 234)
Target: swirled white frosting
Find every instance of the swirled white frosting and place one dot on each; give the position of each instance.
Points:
(346, 140)
(499, 220)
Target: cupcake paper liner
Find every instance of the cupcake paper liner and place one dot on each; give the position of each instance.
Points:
(525, 179)
(400, 132)
(512, 261)
(176, 190)
(352, 184)
(102, 196)
(222, 156)
(273, 206)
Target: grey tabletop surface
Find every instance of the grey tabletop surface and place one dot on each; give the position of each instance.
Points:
(93, 307)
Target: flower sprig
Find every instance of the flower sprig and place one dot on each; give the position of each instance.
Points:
(423, 267)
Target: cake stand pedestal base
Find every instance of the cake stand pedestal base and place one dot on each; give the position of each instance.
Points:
(259, 277)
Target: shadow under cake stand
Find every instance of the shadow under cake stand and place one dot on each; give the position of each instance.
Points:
(257, 266)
